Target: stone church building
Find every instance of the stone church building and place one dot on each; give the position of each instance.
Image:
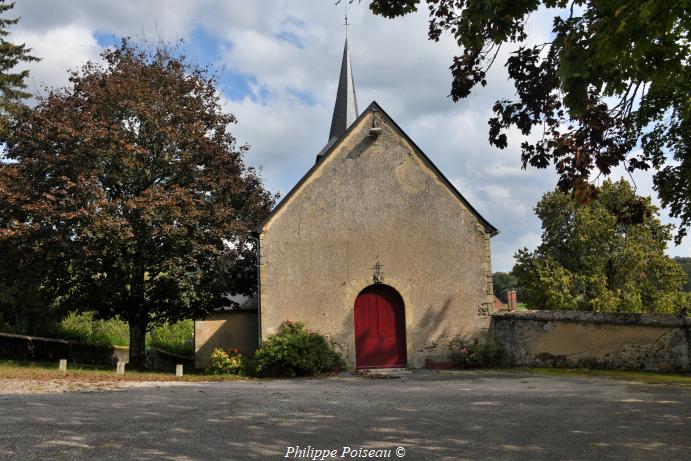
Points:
(373, 248)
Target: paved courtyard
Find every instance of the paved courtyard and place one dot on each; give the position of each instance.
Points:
(473, 415)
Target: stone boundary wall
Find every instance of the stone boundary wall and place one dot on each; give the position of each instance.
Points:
(166, 361)
(20, 347)
(575, 339)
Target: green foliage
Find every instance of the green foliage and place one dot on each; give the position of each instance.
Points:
(86, 327)
(596, 257)
(295, 351)
(685, 264)
(502, 283)
(83, 327)
(224, 363)
(610, 87)
(127, 194)
(177, 338)
(23, 309)
(393, 8)
(474, 354)
(26, 312)
(12, 84)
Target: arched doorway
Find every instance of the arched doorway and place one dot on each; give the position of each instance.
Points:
(380, 328)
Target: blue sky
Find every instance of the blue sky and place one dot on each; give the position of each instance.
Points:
(277, 63)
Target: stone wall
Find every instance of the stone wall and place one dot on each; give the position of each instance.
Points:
(651, 342)
(20, 347)
(225, 330)
(166, 361)
(374, 199)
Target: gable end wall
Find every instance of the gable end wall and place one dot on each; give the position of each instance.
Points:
(374, 199)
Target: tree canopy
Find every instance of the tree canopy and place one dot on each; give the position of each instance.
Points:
(611, 87)
(129, 193)
(607, 256)
(685, 264)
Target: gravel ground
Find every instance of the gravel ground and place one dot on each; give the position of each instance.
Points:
(455, 416)
(52, 386)
(34, 386)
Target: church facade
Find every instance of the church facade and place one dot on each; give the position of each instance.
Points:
(375, 248)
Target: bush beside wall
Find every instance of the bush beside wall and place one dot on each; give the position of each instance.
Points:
(296, 351)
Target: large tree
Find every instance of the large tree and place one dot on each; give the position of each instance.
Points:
(133, 194)
(608, 255)
(615, 75)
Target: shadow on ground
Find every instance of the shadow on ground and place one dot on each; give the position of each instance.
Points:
(494, 416)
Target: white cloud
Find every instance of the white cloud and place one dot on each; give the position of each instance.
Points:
(170, 18)
(284, 151)
(296, 45)
(61, 49)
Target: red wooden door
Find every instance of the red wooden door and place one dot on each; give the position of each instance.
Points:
(379, 328)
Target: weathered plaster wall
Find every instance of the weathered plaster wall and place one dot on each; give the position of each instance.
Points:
(595, 340)
(225, 330)
(374, 199)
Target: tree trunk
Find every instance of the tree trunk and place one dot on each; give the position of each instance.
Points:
(137, 324)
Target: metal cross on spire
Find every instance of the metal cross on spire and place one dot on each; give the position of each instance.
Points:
(346, 23)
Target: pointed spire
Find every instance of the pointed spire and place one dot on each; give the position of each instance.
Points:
(345, 109)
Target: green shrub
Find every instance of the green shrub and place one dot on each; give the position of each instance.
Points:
(295, 351)
(177, 338)
(84, 328)
(224, 363)
(474, 355)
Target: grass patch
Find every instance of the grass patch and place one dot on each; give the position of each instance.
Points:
(15, 369)
(647, 377)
